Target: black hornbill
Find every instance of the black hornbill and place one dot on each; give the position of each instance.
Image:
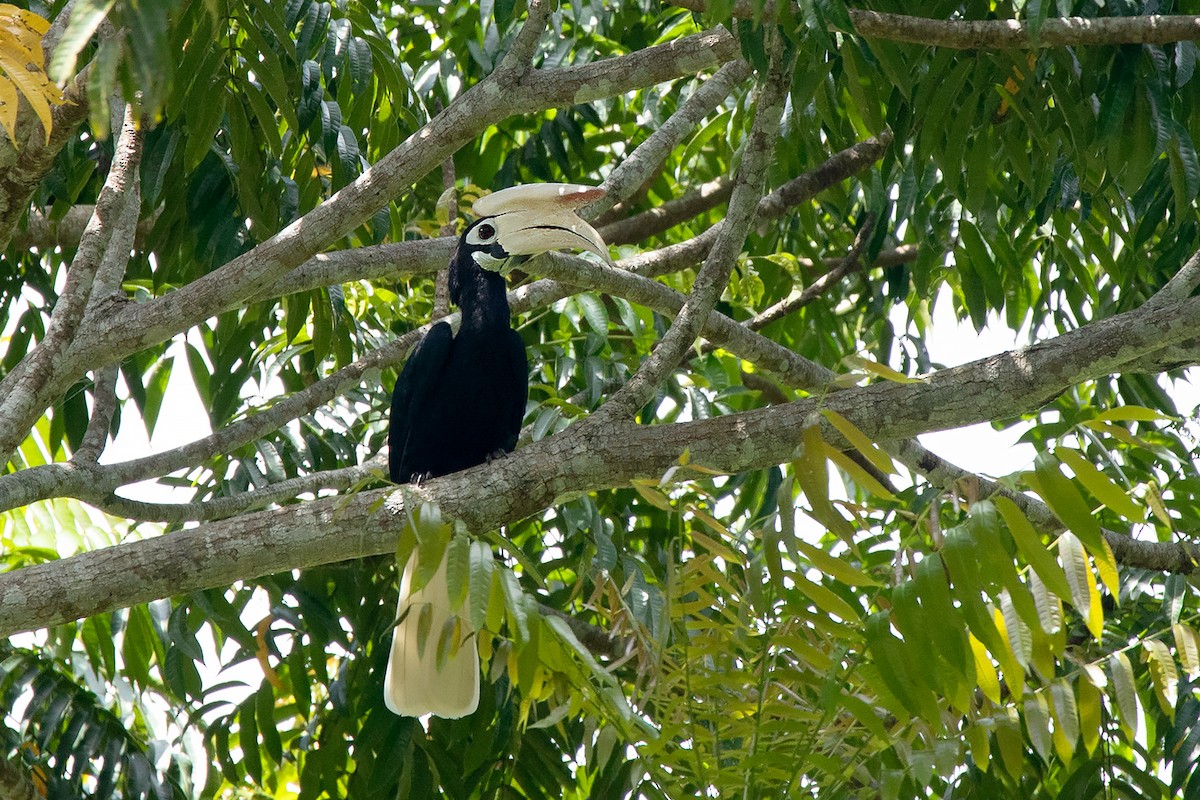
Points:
(459, 402)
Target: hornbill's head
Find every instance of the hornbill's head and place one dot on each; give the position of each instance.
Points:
(523, 221)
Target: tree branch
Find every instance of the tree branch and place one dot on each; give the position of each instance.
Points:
(992, 34)
(798, 300)
(1009, 33)
(581, 459)
(654, 221)
(96, 483)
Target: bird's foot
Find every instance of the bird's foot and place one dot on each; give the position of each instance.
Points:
(419, 478)
(495, 454)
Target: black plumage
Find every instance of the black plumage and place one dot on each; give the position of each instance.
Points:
(461, 397)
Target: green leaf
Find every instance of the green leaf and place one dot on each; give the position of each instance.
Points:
(514, 603)
(896, 668)
(946, 626)
(1091, 714)
(825, 599)
(813, 476)
(1132, 414)
(1124, 690)
(833, 566)
(1064, 710)
(265, 718)
(1030, 546)
(1037, 723)
(458, 569)
(1020, 638)
(86, 18)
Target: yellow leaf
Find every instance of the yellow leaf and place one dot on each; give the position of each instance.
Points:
(985, 671)
(857, 473)
(1162, 674)
(716, 548)
(1154, 500)
(8, 106)
(1187, 647)
(651, 494)
(862, 443)
(22, 62)
(879, 370)
(1090, 715)
(1132, 414)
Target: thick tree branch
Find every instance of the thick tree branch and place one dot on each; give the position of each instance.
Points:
(581, 459)
(991, 34)
(1008, 33)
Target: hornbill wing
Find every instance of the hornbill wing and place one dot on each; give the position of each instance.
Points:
(519, 363)
(414, 386)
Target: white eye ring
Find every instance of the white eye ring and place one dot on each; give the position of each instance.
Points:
(482, 233)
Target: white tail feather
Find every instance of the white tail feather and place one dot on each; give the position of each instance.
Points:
(414, 685)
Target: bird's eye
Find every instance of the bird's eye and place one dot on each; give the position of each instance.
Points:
(483, 233)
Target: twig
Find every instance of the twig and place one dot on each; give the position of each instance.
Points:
(441, 285)
(798, 300)
(104, 405)
(692, 203)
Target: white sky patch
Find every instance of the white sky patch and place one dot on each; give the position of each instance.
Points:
(977, 448)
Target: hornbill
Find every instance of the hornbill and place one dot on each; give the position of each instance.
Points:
(459, 402)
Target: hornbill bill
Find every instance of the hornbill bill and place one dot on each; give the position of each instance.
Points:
(459, 402)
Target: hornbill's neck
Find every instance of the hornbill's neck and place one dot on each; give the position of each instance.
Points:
(482, 297)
